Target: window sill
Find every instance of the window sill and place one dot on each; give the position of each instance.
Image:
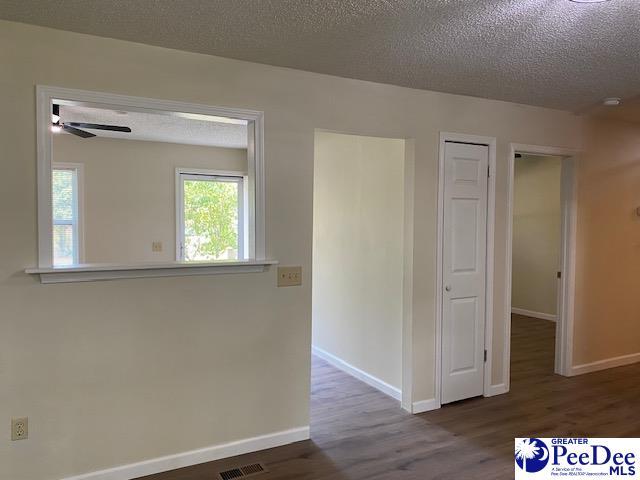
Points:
(95, 272)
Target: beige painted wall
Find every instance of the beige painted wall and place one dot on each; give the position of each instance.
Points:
(536, 233)
(358, 194)
(196, 361)
(129, 192)
(607, 308)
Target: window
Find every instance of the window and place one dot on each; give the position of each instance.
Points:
(65, 193)
(145, 221)
(211, 215)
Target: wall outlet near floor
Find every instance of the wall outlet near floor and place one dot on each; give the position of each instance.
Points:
(19, 428)
(289, 276)
(156, 246)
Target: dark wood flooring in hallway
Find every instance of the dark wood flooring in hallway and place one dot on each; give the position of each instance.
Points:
(359, 433)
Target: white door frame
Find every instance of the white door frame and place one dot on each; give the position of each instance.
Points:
(566, 294)
(491, 201)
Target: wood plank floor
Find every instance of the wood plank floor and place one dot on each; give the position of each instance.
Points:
(359, 433)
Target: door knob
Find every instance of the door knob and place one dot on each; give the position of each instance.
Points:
(447, 288)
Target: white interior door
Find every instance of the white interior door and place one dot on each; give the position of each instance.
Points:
(464, 270)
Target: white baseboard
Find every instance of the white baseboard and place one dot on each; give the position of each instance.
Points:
(530, 313)
(425, 406)
(498, 389)
(606, 363)
(432, 404)
(359, 374)
(194, 457)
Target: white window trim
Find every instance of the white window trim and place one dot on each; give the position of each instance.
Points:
(243, 210)
(95, 272)
(255, 171)
(79, 206)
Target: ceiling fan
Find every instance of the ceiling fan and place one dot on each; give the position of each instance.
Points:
(74, 128)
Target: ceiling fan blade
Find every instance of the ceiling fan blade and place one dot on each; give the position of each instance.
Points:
(97, 126)
(77, 131)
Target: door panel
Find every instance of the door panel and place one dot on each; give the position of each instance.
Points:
(464, 214)
(463, 326)
(464, 270)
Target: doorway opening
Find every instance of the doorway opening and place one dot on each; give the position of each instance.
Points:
(535, 269)
(358, 265)
(541, 258)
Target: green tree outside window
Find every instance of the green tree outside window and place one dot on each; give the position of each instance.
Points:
(210, 220)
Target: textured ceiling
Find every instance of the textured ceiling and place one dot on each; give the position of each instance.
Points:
(553, 53)
(159, 127)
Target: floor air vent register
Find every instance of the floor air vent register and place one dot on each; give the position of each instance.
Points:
(243, 472)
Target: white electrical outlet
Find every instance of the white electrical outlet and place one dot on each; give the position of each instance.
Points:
(19, 428)
(156, 246)
(289, 276)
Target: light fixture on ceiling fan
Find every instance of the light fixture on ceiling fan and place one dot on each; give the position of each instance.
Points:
(74, 128)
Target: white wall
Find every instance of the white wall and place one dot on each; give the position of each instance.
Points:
(129, 192)
(536, 233)
(608, 256)
(357, 252)
(197, 361)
